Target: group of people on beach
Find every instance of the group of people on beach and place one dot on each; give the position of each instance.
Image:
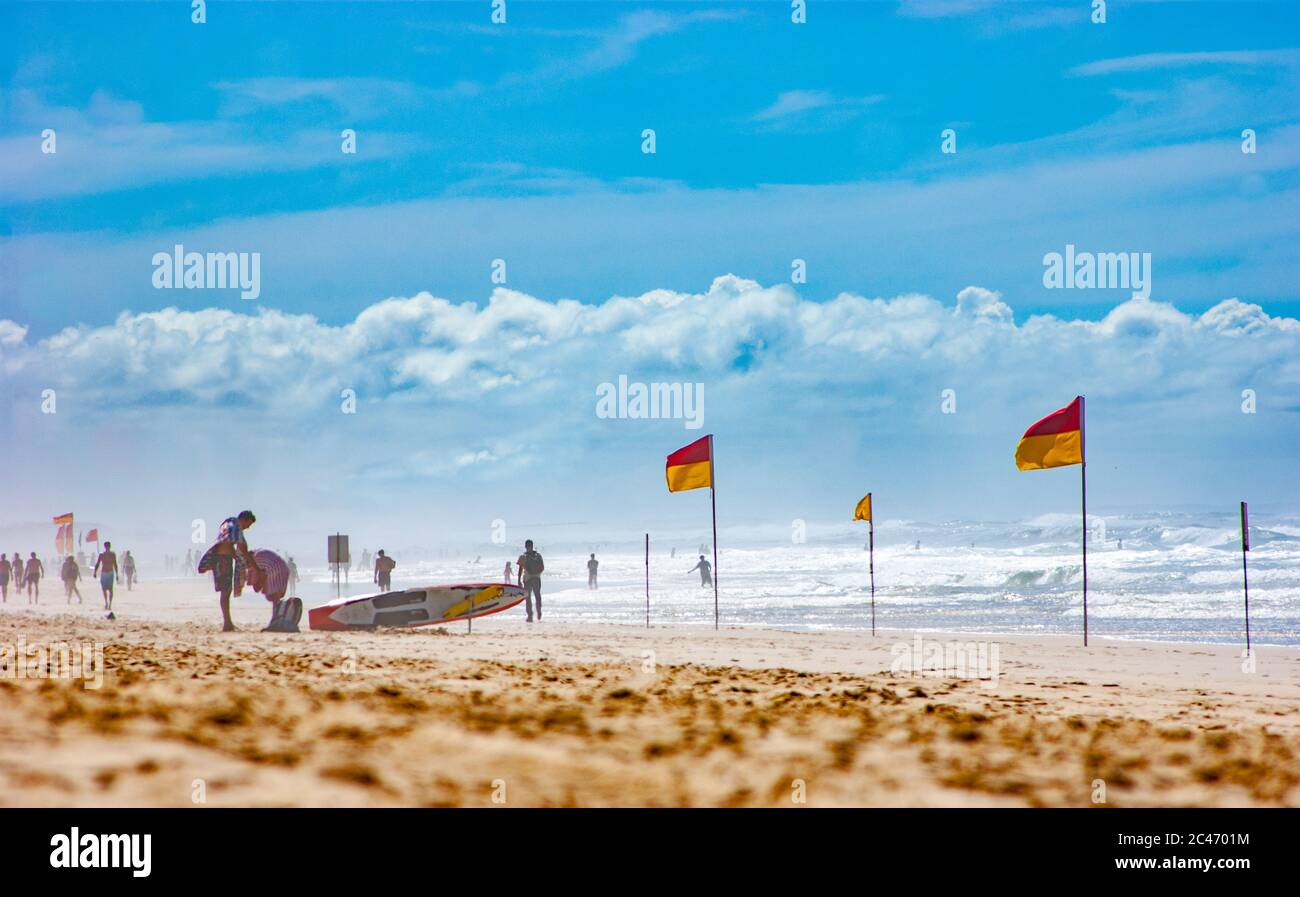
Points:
(27, 575)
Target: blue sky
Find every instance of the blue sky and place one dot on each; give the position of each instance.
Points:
(775, 141)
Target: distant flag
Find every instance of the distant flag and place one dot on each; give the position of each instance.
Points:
(1057, 441)
(92, 535)
(863, 510)
(63, 536)
(691, 467)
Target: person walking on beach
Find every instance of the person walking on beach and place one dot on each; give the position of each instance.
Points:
(128, 569)
(32, 573)
(19, 582)
(106, 569)
(365, 559)
(531, 567)
(384, 570)
(70, 573)
(293, 575)
(7, 569)
(706, 572)
(592, 566)
(508, 575)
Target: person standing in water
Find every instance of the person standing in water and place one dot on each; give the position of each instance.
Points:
(70, 573)
(531, 566)
(128, 569)
(106, 569)
(706, 571)
(384, 570)
(32, 573)
(592, 566)
(509, 575)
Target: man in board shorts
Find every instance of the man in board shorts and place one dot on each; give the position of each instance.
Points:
(34, 571)
(530, 568)
(229, 559)
(106, 568)
(384, 570)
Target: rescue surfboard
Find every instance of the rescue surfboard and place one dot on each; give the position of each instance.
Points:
(423, 606)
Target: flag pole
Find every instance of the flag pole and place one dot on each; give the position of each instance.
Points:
(647, 580)
(1245, 580)
(871, 559)
(1083, 482)
(713, 500)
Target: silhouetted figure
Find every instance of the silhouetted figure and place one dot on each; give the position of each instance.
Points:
(531, 566)
(293, 575)
(384, 570)
(509, 574)
(70, 573)
(706, 571)
(128, 570)
(32, 574)
(7, 571)
(592, 565)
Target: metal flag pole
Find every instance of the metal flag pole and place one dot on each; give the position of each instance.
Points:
(647, 580)
(871, 558)
(713, 500)
(1083, 482)
(1245, 580)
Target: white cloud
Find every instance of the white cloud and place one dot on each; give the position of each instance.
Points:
(519, 346)
(1150, 61)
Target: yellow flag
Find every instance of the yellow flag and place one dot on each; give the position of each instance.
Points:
(863, 511)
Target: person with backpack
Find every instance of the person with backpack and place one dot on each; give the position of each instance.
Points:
(384, 570)
(531, 567)
(271, 578)
(70, 573)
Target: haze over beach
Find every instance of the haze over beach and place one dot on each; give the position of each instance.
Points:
(796, 322)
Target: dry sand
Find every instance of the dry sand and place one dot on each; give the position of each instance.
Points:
(559, 714)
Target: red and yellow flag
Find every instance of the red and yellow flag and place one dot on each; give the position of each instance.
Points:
(63, 519)
(691, 467)
(1055, 441)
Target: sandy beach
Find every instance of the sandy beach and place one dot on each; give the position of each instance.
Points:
(558, 714)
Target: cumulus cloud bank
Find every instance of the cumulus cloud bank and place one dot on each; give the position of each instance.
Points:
(493, 405)
(434, 349)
